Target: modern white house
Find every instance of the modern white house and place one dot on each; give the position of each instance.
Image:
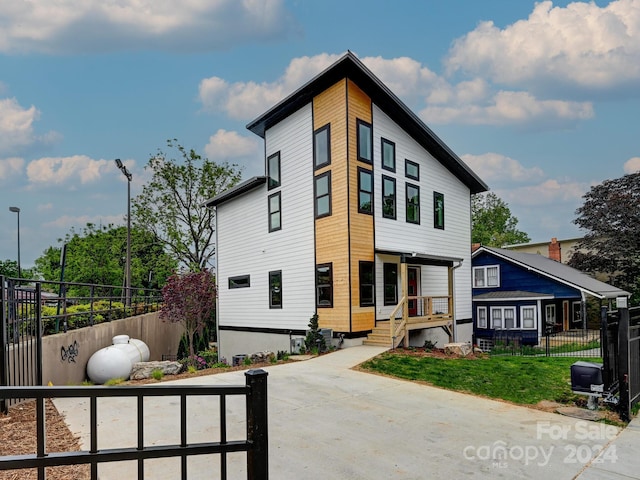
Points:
(363, 216)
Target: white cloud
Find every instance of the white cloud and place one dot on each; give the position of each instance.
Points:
(549, 192)
(71, 26)
(494, 167)
(226, 146)
(45, 207)
(16, 125)
(59, 170)
(632, 165)
(10, 166)
(581, 46)
(65, 222)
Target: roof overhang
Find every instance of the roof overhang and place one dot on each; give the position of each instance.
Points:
(514, 295)
(236, 191)
(421, 258)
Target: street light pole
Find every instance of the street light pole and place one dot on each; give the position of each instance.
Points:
(16, 210)
(127, 174)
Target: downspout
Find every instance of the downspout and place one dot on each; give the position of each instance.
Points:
(215, 267)
(453, 303)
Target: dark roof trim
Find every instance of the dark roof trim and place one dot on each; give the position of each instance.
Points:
(512, 295)
(421, 258)
(236, 191)
(349, 66)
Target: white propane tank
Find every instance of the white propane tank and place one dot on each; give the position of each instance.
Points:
(116, 361)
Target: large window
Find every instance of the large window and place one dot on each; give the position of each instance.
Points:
(367, 284)
(503, 318)
(241, 281)
(388, 197)
(324, 285)
(411, 169)
(365, 191)
(390, 274)
(528, 316)
(413, 203)
(486, 276)
(273, 169)
(438, 210)
(275, 289)
(388, 155)
(322, 190)
(275, 205)
(481, 317)
(365, 141)
(322, 147)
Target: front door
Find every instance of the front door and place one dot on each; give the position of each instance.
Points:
(412, 286)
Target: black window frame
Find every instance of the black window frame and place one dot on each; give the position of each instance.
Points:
(436, 222)
(370, 269)
(386, 178)
(386, 273)
(273, 274)
(239, 281)
(315, 193)
(361, 191)
(328, 286)
(271, 184)
(272, 213)
(408, 162)
(384, 141)
(362, 123)
(409, 203)
(318, 131)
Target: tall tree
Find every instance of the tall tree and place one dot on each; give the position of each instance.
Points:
(9, 268)
(611, 246)
(492, 223)
(171, 205)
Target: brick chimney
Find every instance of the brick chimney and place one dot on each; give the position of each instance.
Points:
(555, 252)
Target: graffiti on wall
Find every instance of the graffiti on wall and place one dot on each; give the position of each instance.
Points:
(70, 353)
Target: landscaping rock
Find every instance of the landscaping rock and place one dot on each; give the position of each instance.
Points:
(261, 357)
(460, 349)
(142, 370)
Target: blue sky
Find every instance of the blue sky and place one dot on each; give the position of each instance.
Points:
(540, 99)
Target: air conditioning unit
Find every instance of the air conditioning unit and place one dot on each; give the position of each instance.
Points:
(327, 333)
(297, 344)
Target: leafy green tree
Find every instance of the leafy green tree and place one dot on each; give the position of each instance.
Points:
(610, 216)
(9, 268)
(492, 223)
(171, 205)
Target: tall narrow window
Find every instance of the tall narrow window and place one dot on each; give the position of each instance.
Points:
(413, 203)
(390, 274)
(324, 285)
(388, 155)
(322, 189)
(365, 191)
(482, 317)
(367, 284)
(273, 169)
(275, 220)
(411, 169)
(388, 197)
(365, 141)
(496, 318)
(528, 315)
(438, 210)
(275, 289)
(509, 318)
(322, 147)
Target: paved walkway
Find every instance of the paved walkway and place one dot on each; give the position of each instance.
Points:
(328, 421)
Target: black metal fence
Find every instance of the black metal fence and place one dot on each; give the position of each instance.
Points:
(572, 343)
(255, 444)
(628, 359)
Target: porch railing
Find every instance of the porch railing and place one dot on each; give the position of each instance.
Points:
(428, 312)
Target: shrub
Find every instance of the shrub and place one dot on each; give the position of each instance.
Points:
(314, 341)
(157, 374)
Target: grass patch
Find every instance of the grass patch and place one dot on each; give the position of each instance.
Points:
(522, 380)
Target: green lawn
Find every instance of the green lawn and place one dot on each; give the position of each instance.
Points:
(523, 380)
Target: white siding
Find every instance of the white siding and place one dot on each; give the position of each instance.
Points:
(246, 247)
(398, 235)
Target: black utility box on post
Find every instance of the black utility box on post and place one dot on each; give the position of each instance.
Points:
(586, 378)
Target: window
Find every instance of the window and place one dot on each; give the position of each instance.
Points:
(242, 281)
(486, 276)
(322, 147)
(388, 155)
(324, 285)
(365, 141)
(550, 314)
(367, 284)
(411, 169)
(365, 191)
(322, 189)
(528, 315)
(438, 210)
(275, 220)
(503, 318)
(388, 197)
(413, 204)
(390, 274)
(481, 317)
(275, 289)
(273, 169)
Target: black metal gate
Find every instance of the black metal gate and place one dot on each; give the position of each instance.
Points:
(21, 332)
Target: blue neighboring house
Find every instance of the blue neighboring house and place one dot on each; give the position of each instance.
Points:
(520, 295)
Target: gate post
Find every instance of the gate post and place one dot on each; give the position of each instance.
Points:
(4, 365)
(257, 428)
(623, 352)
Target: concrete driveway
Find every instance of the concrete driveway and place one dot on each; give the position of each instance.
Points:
(328, 421)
